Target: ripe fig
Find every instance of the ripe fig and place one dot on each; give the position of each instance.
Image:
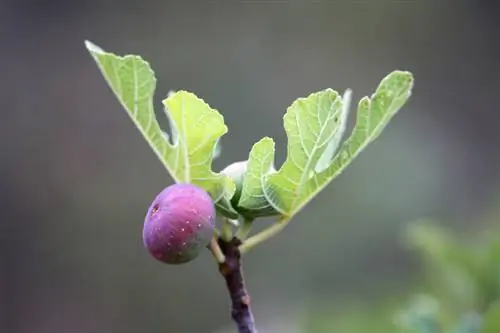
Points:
(179, 224)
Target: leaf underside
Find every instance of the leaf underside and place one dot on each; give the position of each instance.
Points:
(196, 127)
(315, 126)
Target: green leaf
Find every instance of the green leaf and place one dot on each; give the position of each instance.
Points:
(372, 117)
(325, 159)
(253, 202)
(196, 127)
(197, 131)
(217, 150)
(312, 123)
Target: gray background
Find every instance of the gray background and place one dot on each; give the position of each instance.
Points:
(77, 177)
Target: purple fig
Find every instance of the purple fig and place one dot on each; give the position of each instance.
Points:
(179, 223)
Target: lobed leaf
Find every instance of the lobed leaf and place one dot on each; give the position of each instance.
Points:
(196, 127)
(312, 123)
(315, 126)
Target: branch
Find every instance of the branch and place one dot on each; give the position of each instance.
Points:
(232, 272)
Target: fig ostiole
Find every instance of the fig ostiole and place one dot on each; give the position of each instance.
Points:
(179, 224)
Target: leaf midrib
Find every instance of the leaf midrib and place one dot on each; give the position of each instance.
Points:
(353, 156)
(160, 155)
(305, 172)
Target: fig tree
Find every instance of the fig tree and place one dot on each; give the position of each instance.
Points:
(179, 223)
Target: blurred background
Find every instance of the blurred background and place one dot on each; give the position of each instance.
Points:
(77, 177)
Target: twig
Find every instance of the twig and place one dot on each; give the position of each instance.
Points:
(232, 272)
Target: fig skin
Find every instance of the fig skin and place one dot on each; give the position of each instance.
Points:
(179, 224)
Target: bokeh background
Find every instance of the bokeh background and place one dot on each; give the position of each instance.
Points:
(77, 177)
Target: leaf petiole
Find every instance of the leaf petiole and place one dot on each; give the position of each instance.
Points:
(265, 234)
(244, 229)
(227, 229)
(216, 251)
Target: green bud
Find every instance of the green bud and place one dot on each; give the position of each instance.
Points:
(236, 172)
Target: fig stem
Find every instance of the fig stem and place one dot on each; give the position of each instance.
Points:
(232, 272)
(244, 229)
(264, 235)
(216, 251)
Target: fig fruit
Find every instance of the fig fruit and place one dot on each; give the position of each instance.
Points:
(179, 223)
